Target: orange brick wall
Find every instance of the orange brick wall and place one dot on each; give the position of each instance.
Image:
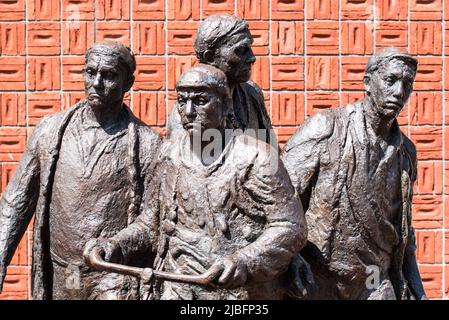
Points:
(311, 56)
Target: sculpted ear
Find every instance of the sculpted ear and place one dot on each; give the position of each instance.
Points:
(208, 56)
(367, 83)
(129, 83)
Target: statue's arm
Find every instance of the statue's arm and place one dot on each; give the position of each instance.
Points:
(285, 231)
(410, 265)
(19, 200)
(302, 152)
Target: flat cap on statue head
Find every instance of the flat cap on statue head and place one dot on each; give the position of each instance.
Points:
(385, 55)
(114, 48)
(214, 31)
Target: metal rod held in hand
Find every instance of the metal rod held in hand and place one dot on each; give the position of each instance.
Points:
(95, 260)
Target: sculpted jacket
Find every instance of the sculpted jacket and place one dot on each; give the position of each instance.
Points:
(242, 205)
(358, 206)
(30, 189)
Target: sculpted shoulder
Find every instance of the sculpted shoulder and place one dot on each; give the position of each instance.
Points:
(253, 90)
(252, 151)
(317, 127)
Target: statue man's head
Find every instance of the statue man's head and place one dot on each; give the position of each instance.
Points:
(108, 73)
(224, 41)
(389, 77)
(203, 98)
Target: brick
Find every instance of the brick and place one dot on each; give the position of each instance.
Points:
(150, 107)
(69, 99)
(427, 212)
(6, 173)
(148, 10)
(150, 73)
(171, 100)
(72, 73)
(283, 134)
(12, 39)
(287, 37)
(260, 72)
(16, 283)
(426, 108)
(425, 9)
(148, 38)
(446, 252)
(429, 245)
(260, 32)
(75, 10)
(43, 38)
(428, 142)
(113, 9)
(12, 112)
(322, 37)
(431, 276)
(351, 97)
(322, 9)
(287, 108)
(391, 34)
(446, 191)
(77, 37)
(356, 9)
(319, 101)
(21, 255)
(41, 104)
(12, 143)
(356, 38)
(446, 115)
(253, 9)
(446, 277)
(425, 38)
(12, 74)
(43, 10)
(176, 66)
(353, 72)
(391, 10)
(115, 31)
(429, 74)
(12, 10)
(446, 38)
(322, 73)
(211, 7)
(446, 142)
(287, 73)
(446, 9)
(183, 10)
(181, 36)
(43, 73)
(430, 178)
(287, 9)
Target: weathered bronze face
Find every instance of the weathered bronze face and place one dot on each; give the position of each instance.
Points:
(236, 57)
(106, 79)
(199, 101)
(390, 87)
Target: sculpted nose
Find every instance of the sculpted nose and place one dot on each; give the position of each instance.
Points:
(190, 109)
(98, 82)
(399, 90)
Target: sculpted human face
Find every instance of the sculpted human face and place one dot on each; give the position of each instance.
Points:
(390, 87)
(200, 107)
(236, 57)
(104, 80)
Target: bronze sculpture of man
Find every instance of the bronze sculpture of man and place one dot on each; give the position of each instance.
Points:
(354, 171)
(224, 41)
(82, 173)
(232, 211)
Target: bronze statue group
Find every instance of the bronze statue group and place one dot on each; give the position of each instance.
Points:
(222, 218)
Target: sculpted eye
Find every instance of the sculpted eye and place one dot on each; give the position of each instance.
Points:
(90, 71)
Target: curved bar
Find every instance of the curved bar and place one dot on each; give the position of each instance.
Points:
(95, 260)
